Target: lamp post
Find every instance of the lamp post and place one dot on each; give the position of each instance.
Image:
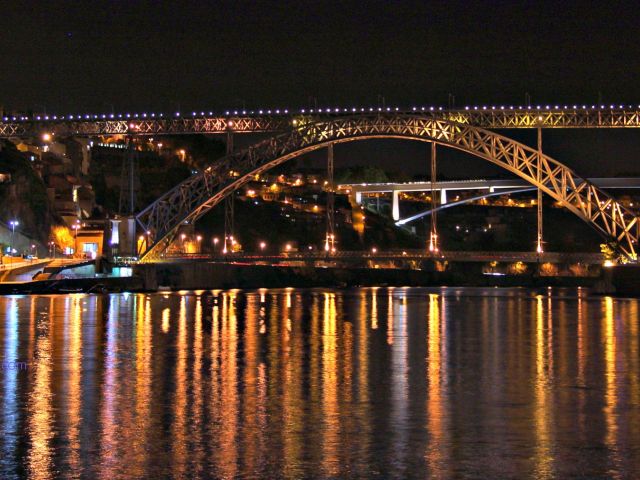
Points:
(182, 237)
(75, 227)
(199, 238)
(14, 224)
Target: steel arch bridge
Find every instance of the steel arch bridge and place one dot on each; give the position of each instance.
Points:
(189, 200)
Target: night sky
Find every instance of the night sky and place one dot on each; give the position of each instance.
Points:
(75, 57)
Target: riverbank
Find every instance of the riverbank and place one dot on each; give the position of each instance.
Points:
(621, 281)
(206, 275)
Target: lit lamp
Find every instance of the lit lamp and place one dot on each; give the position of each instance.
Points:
(14, 224)
(75, 227)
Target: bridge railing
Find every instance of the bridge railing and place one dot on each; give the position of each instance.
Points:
(621, 116)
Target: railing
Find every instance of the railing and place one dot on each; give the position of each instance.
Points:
(577, 116)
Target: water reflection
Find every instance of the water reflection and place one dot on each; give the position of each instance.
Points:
(377, 383)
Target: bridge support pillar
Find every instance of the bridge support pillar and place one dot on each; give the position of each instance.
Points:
(229, 214)
(433, 236)
(358, 196)
(539, 240)
(330, 239)
(395, 206)
(443, 196)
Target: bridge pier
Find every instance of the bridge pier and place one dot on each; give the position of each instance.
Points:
(395, 206)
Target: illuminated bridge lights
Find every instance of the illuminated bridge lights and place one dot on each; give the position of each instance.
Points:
(279, 120)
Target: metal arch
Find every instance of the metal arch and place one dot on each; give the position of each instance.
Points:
(199, 193)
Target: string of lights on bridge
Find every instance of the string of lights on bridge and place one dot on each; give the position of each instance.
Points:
(302, 111)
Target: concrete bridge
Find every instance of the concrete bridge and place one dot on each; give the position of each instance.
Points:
(514, 185)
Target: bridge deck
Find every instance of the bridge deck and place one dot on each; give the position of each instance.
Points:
(527, 257)
(491, 117)
(628, 182)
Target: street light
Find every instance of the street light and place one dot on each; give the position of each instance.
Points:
(75, 227)
(182, 237)
(262, 246)
(199, 238)
(14, 224)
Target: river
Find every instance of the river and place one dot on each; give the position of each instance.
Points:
(320, 383)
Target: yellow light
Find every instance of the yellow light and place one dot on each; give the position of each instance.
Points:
(374, 250)
(46, 137)
(287, 247)
(199, 237)
(608, 264)
(262, 245)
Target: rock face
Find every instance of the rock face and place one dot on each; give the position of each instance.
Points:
(24, 197)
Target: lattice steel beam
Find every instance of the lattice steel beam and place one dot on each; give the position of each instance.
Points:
(196, 195)
(485, 118)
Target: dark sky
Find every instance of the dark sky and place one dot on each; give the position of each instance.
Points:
(87, 56)
(81, 56)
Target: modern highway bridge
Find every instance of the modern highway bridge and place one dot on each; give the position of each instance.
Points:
(492, 187)
(296, 133)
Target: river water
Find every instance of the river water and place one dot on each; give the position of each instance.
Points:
(319, 383)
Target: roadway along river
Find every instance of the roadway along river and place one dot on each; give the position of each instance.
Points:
(361, 383)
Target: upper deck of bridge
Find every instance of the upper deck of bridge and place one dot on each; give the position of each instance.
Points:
(276, 120)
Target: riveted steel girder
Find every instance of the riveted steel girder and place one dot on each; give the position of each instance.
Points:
(484, 118)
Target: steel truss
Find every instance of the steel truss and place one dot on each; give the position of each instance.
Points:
(485, 118)
(196, 195)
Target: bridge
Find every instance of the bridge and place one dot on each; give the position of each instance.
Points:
(493, 187)
(304, 131)
(276, 120)
(195, 196)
